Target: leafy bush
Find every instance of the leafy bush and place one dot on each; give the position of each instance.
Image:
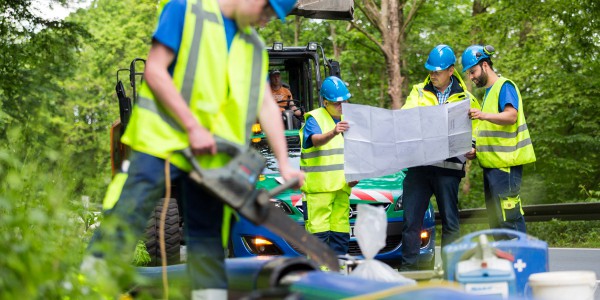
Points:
(41, 235)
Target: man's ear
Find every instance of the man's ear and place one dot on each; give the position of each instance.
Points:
(486, 64)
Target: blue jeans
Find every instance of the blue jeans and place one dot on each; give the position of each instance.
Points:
(202, 213)
(419, 185)
(499, 184)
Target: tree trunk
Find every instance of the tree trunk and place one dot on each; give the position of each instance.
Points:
(382, 97)
(336, 49)
(388, 18)
(297, 22)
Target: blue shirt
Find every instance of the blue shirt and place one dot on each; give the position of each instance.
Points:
(443, 96)
(508, 95)
(311, 127)
(170, 28)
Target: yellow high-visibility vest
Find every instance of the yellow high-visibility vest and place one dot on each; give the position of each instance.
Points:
(324, 165)
(500, 146)
(223, 89)
(421, 97)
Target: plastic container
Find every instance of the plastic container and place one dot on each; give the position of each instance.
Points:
(530, 254)
(486, 274)
(579, 285)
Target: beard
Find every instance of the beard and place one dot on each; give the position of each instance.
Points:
(482, 80)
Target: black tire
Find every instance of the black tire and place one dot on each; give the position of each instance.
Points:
(172, 235)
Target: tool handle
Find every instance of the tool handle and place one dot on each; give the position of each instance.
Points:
(223, 146)
(230, 148)
(286, 185)
(187, 152)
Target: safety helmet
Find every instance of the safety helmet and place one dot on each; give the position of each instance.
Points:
(440, 58)
(282, 7)
(474, 54)
(334, 89)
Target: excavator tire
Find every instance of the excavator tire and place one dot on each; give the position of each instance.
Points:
(172, 235)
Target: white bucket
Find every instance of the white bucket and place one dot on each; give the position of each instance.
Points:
(563, 285)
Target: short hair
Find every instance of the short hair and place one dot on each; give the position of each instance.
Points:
(488, 61)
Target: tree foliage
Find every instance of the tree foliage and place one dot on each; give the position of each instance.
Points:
(552, 56)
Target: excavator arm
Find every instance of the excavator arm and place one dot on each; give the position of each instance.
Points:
(325, 9)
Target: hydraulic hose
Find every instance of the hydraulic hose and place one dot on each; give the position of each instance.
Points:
(161, 228)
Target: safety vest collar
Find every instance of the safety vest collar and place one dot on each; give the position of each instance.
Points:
(458, 85)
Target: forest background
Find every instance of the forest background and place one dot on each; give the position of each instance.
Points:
(57, 103)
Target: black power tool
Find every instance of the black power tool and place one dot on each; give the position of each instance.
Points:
(235, 185)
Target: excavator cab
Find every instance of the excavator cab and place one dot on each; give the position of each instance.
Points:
(303, 68)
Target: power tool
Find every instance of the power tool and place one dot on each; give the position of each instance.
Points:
(235, 185)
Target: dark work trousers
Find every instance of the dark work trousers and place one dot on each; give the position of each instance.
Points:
(419, 185)
(500, 184)
(203, 217)
(338, 241)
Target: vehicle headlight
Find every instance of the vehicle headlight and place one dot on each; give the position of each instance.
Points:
(283, 206)
(261, 246)
(398, 205)
(424, 238)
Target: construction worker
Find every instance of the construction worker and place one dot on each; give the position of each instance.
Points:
(326, 192)
(503, 144)
(205, 76)
(282, 95)
(443, 85)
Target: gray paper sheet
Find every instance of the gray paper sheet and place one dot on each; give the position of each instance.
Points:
(382, 141)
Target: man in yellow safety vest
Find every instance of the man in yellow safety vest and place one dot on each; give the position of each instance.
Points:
(503, 144)
(326, 192)
(443, 85)
(205, 76)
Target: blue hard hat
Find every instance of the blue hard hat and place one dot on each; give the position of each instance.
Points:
(334, 89)
(440, 58)
(474, 54)
(282, 7)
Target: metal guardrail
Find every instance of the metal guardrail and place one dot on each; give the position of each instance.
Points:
(537, 213)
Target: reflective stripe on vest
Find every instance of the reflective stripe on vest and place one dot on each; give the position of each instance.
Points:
(223, 89)
(500, 146)
(324, 165)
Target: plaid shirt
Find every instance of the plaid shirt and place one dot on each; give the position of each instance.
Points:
(443, 96)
